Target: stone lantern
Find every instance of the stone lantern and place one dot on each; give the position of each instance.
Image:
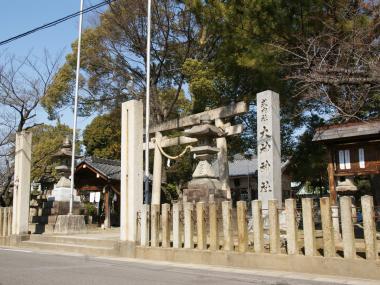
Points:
(204, 182)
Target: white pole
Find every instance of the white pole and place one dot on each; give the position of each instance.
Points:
(147, 108)
(75, 109)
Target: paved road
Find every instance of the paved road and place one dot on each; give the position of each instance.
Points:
(26, 267)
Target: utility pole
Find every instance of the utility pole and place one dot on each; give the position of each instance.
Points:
(75, 109)
(147, 106)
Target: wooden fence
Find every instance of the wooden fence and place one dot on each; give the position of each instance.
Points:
(294, 231)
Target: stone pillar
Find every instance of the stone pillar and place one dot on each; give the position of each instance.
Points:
(10, 219)
(327, 228)
(336, 222)
(23, 159)
(189, 230)
(165, 221)
(157, 172)
(258, 226)
(221, 144)
(348, 235)
(369, 228)
(145, 218)
(131, 184)
(177, 225)
(309, 227)
(274, 227)
(155, 226)
(292, 226)
(228, 243)
(5, 222)
(201, 226)
(1, 221)
(242, 225)
(268, 147)
(213, 220)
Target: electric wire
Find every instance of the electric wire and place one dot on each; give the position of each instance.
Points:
(56, 22)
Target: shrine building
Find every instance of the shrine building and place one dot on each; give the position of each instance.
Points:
(353, 153)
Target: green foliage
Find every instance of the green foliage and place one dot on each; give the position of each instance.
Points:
(102, 137)
(46, 141)
(113, 60)
(309, 161)
(90, 209)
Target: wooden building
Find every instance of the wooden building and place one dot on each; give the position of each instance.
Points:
(353, 150)
(101, 176)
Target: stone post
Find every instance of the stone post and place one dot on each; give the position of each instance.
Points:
(309, 227)
(131, 184)
(177, 225)
(155, 226)
(336, 222)
(274, 227)
(227, 225)
(145, 218)
(258, 226)
(213, 220)
(348, 235)
(369, 228)
(5, 222)
(189, 230)
(242, 225)
(292, 226)
(21, 194)
(157, 172)
(10, 219)
(327, 228)
(165, 213)
(1, 221)
(201, 226)
(221, 144)
(268, 147)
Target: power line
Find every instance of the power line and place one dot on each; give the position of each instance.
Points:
(56, 22)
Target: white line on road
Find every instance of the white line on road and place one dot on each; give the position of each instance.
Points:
(16, 250)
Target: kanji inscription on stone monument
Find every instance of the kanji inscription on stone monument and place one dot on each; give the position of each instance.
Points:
(268, 147)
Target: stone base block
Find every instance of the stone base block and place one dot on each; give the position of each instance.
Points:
(203, 194)
(70, 224)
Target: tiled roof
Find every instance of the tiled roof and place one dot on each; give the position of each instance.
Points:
(108, 167)
(242, 166)
(348, 130)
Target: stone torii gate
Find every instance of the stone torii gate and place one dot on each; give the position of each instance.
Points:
(158, 142)
(131, 186)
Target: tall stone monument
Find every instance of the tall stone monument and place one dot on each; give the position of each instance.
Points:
(23, 160)
(268, 147)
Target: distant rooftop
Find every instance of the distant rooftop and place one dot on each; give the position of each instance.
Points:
(242, 166)
(348, 131)
(107, 167)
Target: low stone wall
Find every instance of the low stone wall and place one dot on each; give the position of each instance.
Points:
(354, 268)
(270, 238)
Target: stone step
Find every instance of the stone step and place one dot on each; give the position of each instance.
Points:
(44, 219)
(74, 240)
(36, 228)
(69, 248)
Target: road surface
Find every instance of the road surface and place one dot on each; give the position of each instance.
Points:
(18, 267)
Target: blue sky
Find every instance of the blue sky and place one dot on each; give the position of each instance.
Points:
(18, 16)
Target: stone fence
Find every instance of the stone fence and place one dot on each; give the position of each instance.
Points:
(5, 221)
(291, 231)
